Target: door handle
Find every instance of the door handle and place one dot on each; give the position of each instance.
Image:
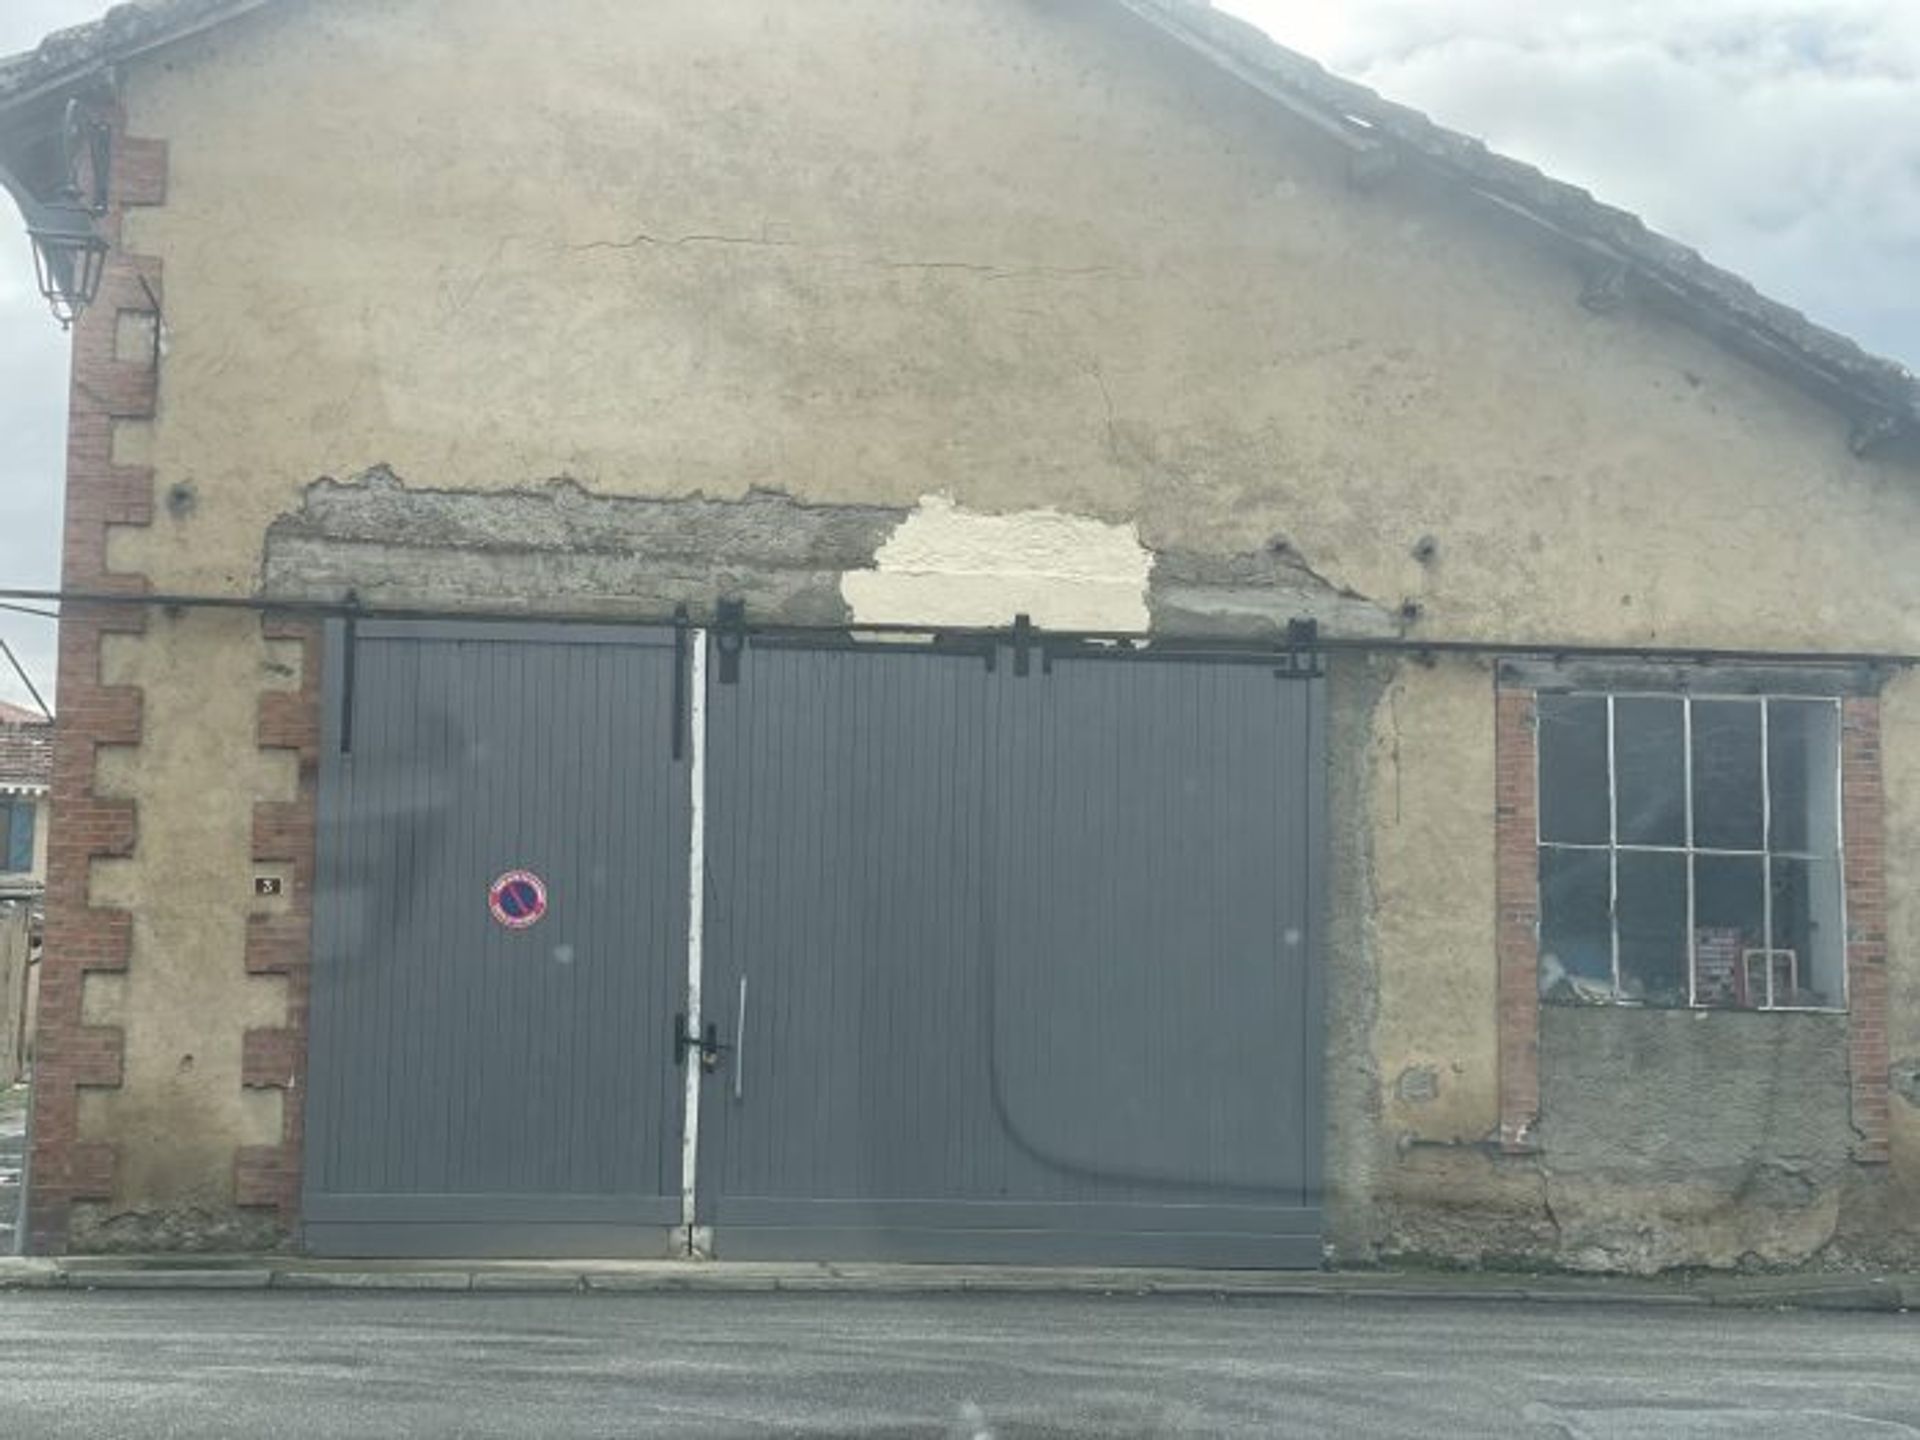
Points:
(740, 1042)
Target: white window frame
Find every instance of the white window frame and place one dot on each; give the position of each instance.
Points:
(1765, 854)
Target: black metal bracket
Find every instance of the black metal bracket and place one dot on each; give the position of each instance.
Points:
(730, 638)
(681, 624)
(1303, 648)
(1022, 643)
(707, 1043)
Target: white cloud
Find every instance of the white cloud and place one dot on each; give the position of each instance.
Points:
(1779, 137)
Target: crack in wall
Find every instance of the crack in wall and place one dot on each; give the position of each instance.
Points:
(642, 239)
(647, 240)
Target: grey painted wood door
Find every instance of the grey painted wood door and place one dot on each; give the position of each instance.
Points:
(1019, 966)
(477, 1088)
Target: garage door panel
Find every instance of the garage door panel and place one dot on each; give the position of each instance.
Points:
(1012, 963)
(833, 786)
(497, 1207)
(1146, 1029)
(450, 1055)
(1008, 939)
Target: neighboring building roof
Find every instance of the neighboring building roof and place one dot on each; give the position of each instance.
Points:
(26, 751)
(1883, 397)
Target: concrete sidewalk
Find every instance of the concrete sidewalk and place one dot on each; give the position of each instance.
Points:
(253, 1272)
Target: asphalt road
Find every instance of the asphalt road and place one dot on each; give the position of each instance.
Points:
(283, 1365)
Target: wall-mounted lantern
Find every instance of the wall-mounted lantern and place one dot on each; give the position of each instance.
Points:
(69, 253)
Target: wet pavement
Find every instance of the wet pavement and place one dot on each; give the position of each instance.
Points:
(986, 1367)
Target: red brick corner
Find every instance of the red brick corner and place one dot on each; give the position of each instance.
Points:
(80, 938)
(1863, 819)
(279, 944)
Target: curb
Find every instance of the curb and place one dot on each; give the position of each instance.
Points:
(1882, 1294)
(1862, 1294)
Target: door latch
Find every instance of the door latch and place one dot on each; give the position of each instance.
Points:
(707, 1043)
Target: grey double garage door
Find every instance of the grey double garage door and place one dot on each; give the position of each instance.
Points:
(627, 939)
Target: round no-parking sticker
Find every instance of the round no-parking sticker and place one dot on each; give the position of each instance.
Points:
(518, 899)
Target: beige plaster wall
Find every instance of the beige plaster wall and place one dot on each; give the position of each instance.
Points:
(1018, 255)
(185, 999)
(1021, 257)
(1431, 818)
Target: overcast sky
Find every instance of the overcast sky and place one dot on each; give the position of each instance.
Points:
(1779, 137)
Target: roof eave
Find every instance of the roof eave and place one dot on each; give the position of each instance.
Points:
(115, 38)
(1881, 396)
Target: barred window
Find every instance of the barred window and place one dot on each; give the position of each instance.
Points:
(1689, 851)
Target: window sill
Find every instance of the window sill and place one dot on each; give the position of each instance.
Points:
(1626, 1002)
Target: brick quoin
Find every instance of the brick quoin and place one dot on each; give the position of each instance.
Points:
(1517, 933)
(279, 944)
(80, 938)
(1863, 818)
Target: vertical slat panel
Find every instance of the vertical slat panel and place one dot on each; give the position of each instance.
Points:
(485, 1088)
(1011, 941)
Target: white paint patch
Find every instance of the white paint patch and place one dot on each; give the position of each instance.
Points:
(949, 566)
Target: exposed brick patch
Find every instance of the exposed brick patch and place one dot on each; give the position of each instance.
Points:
(80, 938)
(270, 1059)
(140, 171)
(1863, 806)
(1517, 934)
(280, 944)
(267, 1176)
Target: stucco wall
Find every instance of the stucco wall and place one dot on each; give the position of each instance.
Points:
(1021, 258)
(1012, 253)
(185, 999)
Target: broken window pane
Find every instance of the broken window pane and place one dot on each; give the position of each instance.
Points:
(1729, 919)
(1576, 937)
(1573, 769)
(1649, 765)
(1803, 746)
(1727, 797)
(1809, 953)
(1652, 915)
